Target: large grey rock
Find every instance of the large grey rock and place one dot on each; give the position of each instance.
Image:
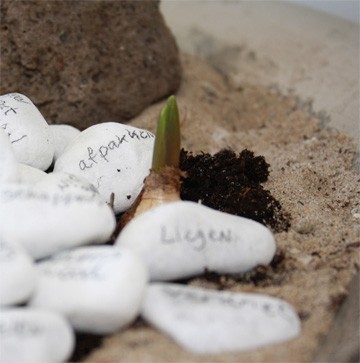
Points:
(85, 62)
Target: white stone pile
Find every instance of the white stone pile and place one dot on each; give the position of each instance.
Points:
(57, 276)
(48, 222)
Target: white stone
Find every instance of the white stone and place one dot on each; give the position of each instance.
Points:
(182, 239)
(9, 172)
(28, 132)
(33, 336)
(99, 288)
(30, 175)
(114, 157)
(17, 274)
(209, 322)
(47, 221)
(63, 135)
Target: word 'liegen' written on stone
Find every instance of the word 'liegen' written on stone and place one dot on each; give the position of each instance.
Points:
(196, 238)
(102, 152)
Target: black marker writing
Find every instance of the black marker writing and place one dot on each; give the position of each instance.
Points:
(55, 199)
(12, 138)
(19, 139)
(85, 266)
(19, 327)
(75, 272)
(102, 152)
(17, 97)
(196, 238)
(70, 181)
(6, 108)
(269, 308)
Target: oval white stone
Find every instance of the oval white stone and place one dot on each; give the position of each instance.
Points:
(33, 336)
(209, 322)
(114, 157)
(28, 132)
(63, 135)
(47, 221)
(9, 172)
(18, 274)
(182, 239)
(99, 289)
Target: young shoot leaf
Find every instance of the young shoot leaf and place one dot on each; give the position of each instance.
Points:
(167, 139)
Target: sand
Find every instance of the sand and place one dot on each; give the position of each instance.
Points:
(312, 177)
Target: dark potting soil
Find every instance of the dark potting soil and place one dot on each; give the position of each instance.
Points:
(232, 183)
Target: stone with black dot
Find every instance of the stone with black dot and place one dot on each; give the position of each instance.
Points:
(114, 157)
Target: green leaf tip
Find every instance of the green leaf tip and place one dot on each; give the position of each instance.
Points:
(167, 139)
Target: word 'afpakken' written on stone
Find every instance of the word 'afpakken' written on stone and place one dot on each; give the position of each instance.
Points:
(101, 154)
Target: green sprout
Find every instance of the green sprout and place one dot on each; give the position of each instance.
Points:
(167, 139)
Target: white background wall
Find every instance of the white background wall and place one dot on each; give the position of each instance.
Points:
(348, 9)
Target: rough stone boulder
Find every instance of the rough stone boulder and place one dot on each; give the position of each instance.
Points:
(85, 62)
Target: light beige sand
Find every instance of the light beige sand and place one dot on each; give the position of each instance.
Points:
(312, 177)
